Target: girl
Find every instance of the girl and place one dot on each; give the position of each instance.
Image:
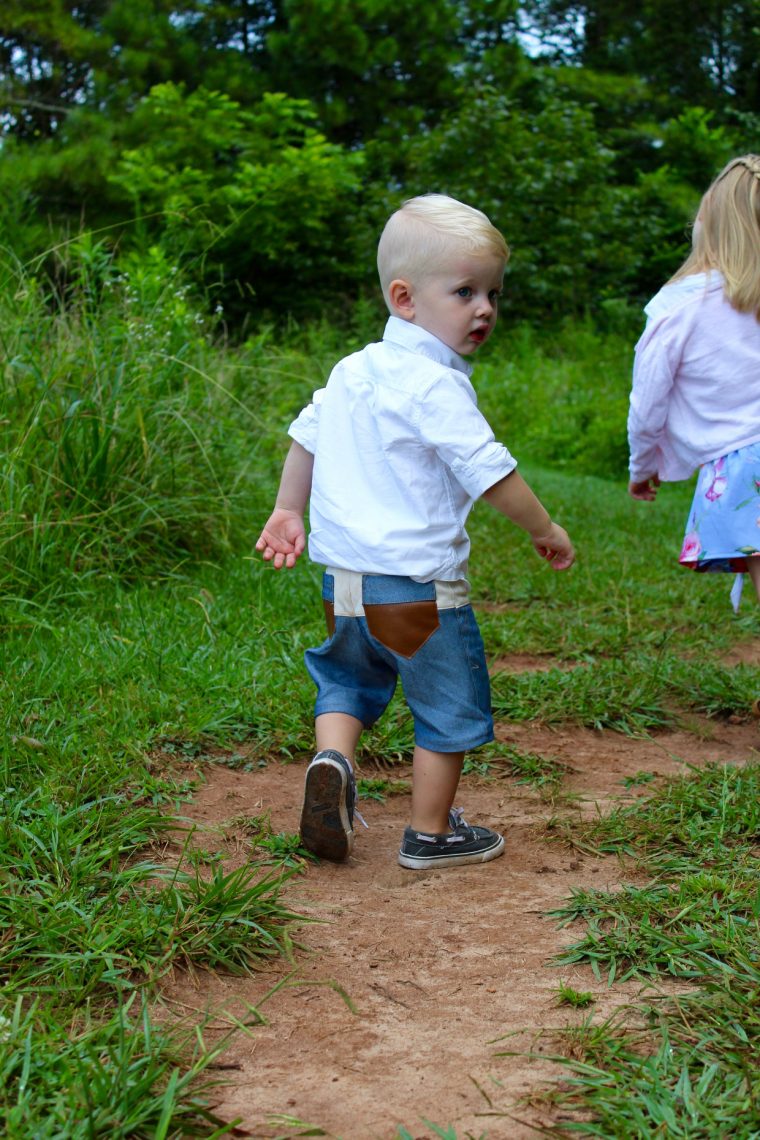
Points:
(695, 401)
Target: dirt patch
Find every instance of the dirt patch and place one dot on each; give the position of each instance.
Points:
(412, 983)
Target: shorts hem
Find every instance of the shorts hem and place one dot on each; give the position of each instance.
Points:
(438, 746)
(718, 564)
(368, 721)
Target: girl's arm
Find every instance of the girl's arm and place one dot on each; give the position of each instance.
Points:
(655, 363)
(283, 539)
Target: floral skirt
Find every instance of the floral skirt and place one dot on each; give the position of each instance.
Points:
(723, 529)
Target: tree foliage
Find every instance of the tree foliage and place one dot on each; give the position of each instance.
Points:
(255, 201)
(706, 54)
(262, 142)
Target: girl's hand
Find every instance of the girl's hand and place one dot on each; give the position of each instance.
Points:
(645, 490)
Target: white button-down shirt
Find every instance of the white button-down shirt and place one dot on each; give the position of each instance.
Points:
(400, 454)
(696, 380)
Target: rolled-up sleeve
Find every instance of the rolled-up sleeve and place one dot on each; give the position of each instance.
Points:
(450, 422)
(305, 426)
(654, 369)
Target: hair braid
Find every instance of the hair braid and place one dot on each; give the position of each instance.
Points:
(751, 162)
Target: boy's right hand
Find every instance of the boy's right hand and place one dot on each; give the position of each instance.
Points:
(283, 539)
(555, 547)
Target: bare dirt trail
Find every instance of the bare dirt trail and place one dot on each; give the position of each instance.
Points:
(440, 967)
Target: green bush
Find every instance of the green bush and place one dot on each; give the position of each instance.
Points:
(256, 204)
(118, 437)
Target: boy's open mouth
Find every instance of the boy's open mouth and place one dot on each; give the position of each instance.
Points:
(479, 335)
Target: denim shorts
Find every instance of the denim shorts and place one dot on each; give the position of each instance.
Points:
(383, 627)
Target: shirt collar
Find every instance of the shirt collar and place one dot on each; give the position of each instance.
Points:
(675, 294)
(416, 339)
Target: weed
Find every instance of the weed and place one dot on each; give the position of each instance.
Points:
(442, 1131)
(285, 849)
(117, 1077)
(380, 787)
(677, 1076)
(295, 1127)
(638, 780)
(578, 999)
(231, 921)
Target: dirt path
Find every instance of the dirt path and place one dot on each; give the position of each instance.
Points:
(440, 967)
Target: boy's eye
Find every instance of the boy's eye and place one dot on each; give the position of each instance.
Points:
(494, 295)
(465, 291)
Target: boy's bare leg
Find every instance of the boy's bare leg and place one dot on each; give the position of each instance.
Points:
(435, 779)
(753, 569)
(339, 731)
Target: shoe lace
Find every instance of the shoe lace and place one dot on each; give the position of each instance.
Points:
(354, 801)
(456, 819)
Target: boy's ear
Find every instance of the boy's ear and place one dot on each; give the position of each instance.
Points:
(401, 299)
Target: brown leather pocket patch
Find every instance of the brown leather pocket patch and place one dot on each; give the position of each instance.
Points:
(329, 616)
(402, 627)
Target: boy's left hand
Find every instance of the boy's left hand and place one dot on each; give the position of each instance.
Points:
(556, 548)
(283, 539)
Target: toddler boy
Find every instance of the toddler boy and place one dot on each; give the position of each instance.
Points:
(392, 454)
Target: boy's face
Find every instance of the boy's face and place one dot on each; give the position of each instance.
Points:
(459, 304)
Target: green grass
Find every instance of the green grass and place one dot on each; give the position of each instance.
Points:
(116, 1077)
(141, 456)
(577, 999)
(379, 788)
(444, 1132)
(691, 1070)
(498, 760)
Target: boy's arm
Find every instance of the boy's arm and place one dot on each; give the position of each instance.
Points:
(283, 538)
(512, 497)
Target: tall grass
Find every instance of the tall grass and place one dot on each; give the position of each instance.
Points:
(127, 448)
(561, 395)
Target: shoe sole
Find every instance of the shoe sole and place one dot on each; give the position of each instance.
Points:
(425, 862)
(325, 827)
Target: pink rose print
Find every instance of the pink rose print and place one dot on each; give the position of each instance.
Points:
(692, 547)
(719, 483)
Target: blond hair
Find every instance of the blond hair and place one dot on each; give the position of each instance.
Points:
(420, 238)
(727, 233)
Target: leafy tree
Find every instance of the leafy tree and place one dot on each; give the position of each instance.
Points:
(383, 68)
(256, 203)
(376, 64)
(264, 141)
(585, 233)
(706, 54)
(542, 178)
(46, 61)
